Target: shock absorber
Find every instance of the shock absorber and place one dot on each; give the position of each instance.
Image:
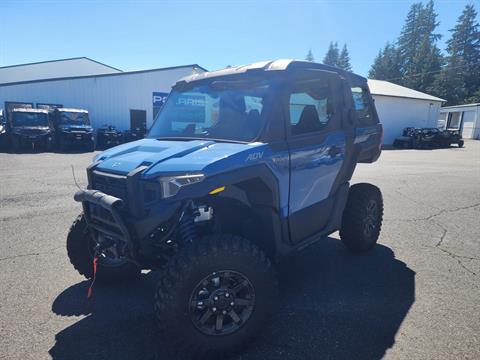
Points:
(186, 228)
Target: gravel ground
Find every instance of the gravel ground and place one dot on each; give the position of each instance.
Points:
(415, 296)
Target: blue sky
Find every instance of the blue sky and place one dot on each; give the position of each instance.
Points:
(134, 35)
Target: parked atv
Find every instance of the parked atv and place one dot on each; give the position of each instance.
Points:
(132, 135)
(408, 138)
(454, 137)
(3, 132)
(108, 136)
(427, 138)
(241, 168)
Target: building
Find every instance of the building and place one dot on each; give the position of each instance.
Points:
(126, 99)
(465, 118)
(399, 107)
(80, 66)
(123, 99)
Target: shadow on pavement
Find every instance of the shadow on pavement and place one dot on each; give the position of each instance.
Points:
(334, 305)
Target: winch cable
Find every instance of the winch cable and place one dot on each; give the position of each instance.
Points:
(90, 288)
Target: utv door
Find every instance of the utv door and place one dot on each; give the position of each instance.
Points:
(317, 145)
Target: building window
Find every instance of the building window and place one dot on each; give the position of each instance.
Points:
(454, 120)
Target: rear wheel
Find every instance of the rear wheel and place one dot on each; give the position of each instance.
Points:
(110, 266)
(460, 143)
(362, 217)
(215, 294)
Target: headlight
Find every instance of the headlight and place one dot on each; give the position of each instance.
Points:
(172, 184)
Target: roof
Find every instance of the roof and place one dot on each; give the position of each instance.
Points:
(459, 106)
(193, 66)
(385, 88)
(30, 110)
(270, 65)
(72, 110)
(54, 69)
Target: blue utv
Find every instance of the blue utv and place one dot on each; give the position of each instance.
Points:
(241, 168)
(73, 129)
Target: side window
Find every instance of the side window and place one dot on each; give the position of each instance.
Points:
(362, 105)
(310, 109)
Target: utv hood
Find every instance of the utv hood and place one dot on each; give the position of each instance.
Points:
(171, 157)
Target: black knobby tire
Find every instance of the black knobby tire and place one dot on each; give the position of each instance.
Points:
(362, 217)
(15, 144)
(461, 143)
(91, 146)
(211, 255)
(79, 249)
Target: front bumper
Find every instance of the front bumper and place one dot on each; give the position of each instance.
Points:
(109, 221)
(77, 137)
(33, 138)
(110, 216)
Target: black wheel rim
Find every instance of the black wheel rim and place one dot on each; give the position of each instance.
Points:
(371, 218)
(222, 302)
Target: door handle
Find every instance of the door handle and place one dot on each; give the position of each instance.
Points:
(334, 151)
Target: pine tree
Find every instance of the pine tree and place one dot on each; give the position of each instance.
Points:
(463, 50)
(408, 41)
(386, 65)
(332, 55)
(344, 59)
(420, 57)
(309, 56)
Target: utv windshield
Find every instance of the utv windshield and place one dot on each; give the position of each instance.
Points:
(29, 119)
(221, 110)
(74, 118)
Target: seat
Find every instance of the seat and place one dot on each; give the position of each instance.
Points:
(254, 122)
(309, 121)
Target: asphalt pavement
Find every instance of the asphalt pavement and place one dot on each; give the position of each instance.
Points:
(414, 296)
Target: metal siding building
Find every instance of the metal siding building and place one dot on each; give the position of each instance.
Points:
(465, 118)
(108, 97)
(399, 107)
(81, 66)
(109, 94)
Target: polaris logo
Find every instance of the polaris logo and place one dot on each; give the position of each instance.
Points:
(254, 156)
(115, 164)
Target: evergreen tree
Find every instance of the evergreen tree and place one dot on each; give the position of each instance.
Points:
(420, 57)
(463, 50)
(448, 84)
(386, 65)
(344, 59)
(309, 56)
(408, 41)
(332, 55)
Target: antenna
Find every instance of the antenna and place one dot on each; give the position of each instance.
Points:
(74, 179)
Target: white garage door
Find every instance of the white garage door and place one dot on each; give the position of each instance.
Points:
(468, 124)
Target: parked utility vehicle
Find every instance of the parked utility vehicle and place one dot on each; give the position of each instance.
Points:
(27, 127)
(73, 129)
(242, 167)
(428, 138)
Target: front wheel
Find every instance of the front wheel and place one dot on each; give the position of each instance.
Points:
(460, 143)
(362, 217)
(215, 294)
(110, 266)
(15, 144)
(90, 145)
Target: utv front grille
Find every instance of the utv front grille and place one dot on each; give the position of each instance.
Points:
(110, 184)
